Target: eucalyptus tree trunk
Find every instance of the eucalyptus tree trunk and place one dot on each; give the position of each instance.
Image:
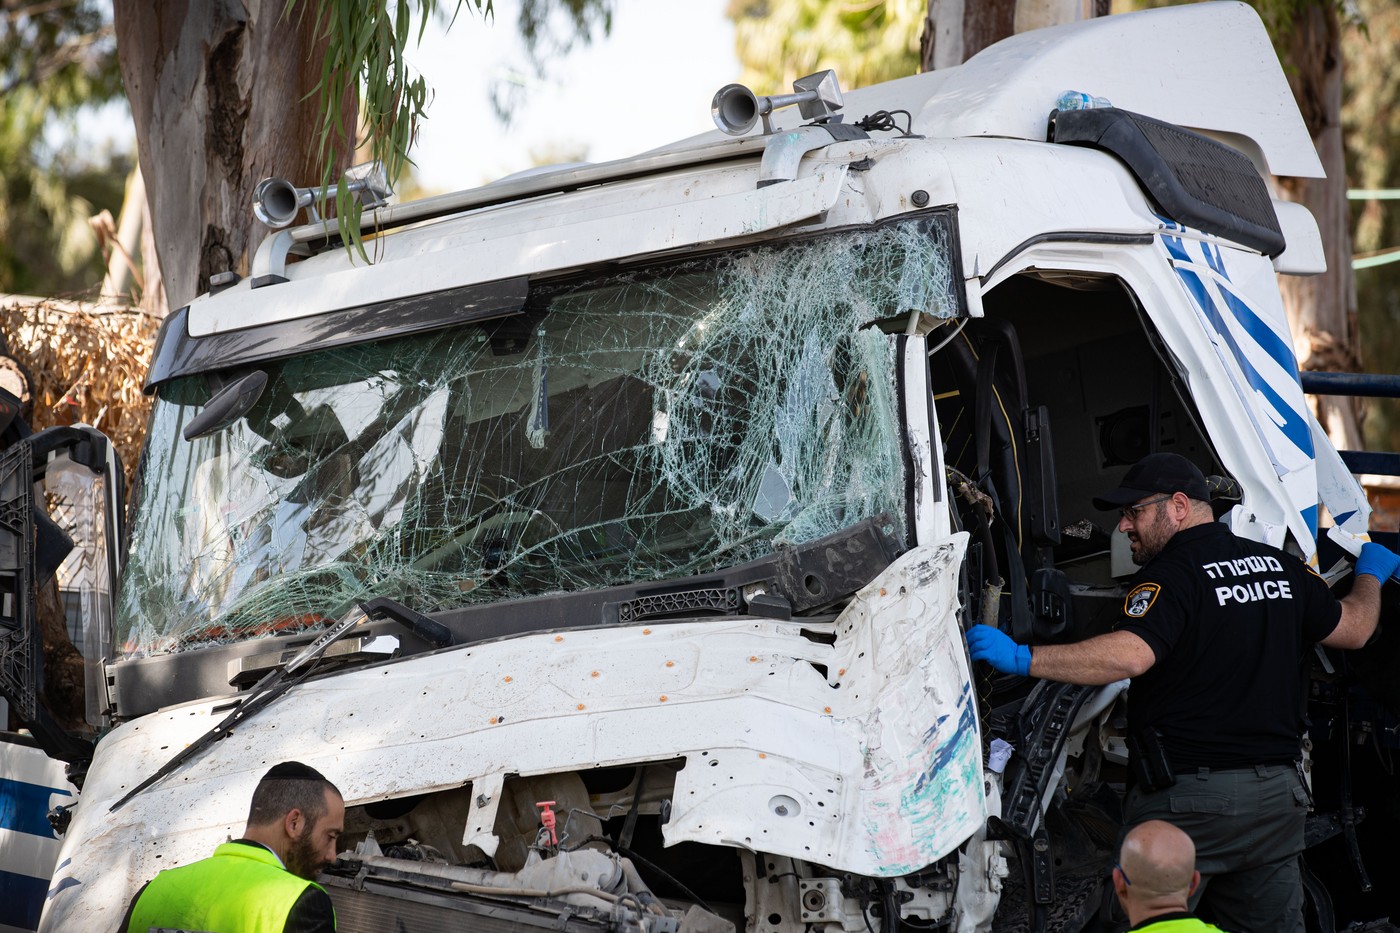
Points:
(220, 94)
(1371, 116)
(1322, 308)
(956, 30)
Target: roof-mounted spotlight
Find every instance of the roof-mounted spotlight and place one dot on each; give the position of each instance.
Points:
(736, 109)
(276, 201)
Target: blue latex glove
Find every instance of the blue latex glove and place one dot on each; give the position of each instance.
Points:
(996, 648)
(1377, 561)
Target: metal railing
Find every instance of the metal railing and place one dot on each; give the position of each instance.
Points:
(1366, 385)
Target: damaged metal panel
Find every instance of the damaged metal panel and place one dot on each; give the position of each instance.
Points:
(901, 695)
(873, 767)
(922, 789)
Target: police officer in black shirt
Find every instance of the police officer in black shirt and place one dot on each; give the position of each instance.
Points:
(1214, 634)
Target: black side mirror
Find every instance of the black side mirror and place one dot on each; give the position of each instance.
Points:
(228, 405)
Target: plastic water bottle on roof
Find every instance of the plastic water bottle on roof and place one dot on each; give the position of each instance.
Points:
(1078, 100)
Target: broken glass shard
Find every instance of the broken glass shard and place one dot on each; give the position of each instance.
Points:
(646, 425)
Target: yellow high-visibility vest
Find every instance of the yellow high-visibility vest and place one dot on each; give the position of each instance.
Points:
(239, 889)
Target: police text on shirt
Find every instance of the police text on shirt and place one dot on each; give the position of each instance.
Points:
(1249, 590)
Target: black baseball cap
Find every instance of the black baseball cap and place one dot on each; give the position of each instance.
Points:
(1156, 473)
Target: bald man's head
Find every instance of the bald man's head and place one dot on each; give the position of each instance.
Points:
(1158, 861)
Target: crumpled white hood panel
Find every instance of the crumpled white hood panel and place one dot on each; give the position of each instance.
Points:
(873, 769)
(903, 705)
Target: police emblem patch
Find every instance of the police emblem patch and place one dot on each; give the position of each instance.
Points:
(1140, 600)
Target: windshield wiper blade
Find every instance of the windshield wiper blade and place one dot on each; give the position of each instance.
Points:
(434, 633)
(263, 693)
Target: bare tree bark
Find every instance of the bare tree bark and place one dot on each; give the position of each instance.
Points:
(1322, 308)
(153, 300)
(1037, 14)
(126, 243)
(219, 92)
(956, 30)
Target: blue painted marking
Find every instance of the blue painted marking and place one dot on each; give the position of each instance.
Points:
(967, 724)
(23, 898)
(63, 885)
(1249, 319)
(1264, 335)
(1214, 260)
(1342, 519)
(1196, 287)
(1310, 516)
(24, 808)
(932, 730)
(1175, 248)
(1294, 427)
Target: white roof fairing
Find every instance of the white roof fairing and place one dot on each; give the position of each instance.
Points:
(1206, 66)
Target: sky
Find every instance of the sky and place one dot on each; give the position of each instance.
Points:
(648, 83)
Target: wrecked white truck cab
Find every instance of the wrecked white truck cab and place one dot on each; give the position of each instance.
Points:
(652, 499)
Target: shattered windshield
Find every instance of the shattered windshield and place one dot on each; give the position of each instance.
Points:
(622, 429)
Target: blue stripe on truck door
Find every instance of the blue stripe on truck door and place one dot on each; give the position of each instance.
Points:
(24, 808)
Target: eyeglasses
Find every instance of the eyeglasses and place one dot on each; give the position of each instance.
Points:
(1126, 880)
(1130, 512)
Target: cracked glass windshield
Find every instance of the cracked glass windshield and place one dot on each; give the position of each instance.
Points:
(622, 429)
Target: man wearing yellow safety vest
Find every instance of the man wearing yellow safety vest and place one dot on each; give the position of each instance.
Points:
(1155, 876)
(262, 882)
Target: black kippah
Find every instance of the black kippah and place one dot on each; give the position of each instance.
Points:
(293, 771)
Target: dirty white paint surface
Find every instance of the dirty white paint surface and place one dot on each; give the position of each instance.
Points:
(595, 226)
(872, 768)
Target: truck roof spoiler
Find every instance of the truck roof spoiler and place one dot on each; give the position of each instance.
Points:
(1208, 66)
